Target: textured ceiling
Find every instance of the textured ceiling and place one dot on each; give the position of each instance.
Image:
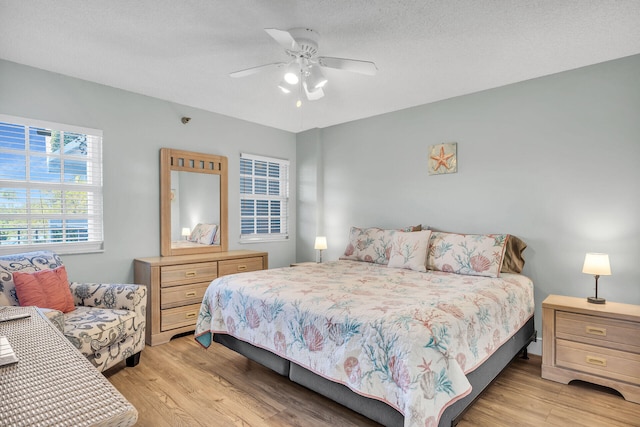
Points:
(425, 51)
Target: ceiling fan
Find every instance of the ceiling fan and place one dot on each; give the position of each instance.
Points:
(303, 70)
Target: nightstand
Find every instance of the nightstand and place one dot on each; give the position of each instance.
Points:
(590, 342)
(300, 264)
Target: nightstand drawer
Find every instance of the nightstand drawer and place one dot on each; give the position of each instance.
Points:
(605, 362)
(176, 296)
(198, 272)
(178, 317)
(617, 334)
(239, 265)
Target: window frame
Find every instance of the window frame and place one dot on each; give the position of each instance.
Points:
(93, 186)
(282, 197)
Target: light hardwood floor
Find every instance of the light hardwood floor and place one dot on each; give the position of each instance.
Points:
(181, 384)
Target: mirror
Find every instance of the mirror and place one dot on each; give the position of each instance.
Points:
(193, 203)
(188, 207)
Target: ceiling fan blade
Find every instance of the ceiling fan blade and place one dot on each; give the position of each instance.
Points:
(284, 38)
(253, 70)
(355, 65)
(313, 96)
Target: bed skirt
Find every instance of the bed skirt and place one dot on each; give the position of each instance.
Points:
(374, 409)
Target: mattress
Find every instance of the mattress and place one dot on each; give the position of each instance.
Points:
(405, 338)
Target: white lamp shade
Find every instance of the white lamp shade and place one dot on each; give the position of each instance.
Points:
(315, 80)
(292, 74)
(596, 264)
(321, 243)
(186, 231)
(313, 95)
(291, 78)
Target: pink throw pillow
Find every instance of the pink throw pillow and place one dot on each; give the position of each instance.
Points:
(45, 289)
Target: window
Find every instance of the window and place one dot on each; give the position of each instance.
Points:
(264, 196)
(50, 187)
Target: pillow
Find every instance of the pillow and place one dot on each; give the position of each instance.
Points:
(513, 260)
(471, 254)
(216, 237)
(409, 250)
(369, 245)
(412, 228)
(45, 289)
(203, 234)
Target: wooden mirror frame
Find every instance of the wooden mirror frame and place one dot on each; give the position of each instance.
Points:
(188, 161)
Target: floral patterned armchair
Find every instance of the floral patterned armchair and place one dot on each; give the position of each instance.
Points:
(108, 323)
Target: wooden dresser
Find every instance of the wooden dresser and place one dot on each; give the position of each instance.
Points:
(176, 285)
(598, 343)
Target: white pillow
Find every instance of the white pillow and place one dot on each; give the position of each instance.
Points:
(409, 250)
(203, 234)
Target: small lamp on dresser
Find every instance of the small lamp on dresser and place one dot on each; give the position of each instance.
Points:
(186, 232)
(321, 244)
(598, 265)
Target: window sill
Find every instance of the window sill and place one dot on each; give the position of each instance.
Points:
(264, 240)
(60, 249)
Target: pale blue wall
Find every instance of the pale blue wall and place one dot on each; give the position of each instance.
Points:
(310, 193)
(135, 128)
(555, 160)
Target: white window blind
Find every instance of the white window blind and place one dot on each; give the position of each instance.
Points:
(50, 187)
(264, 198)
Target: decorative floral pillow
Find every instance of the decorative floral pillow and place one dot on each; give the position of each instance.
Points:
(216, 237)
(369, 245)
(409, 250)
(203, 234)
(471, 254)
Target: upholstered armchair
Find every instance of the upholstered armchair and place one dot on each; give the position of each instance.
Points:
(106, 322)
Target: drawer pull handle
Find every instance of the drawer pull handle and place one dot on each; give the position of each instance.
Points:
(242, 267)
(191, 315)
(596, 361)
(190, 274)
(190, 294)
(602, 332)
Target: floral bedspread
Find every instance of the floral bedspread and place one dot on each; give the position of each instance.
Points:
(404, 337)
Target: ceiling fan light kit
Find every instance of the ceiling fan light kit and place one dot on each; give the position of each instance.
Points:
(314, 94)
(304, 67)
(316, 80)
(292, 73)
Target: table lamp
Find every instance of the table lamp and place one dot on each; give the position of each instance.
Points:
(186, 232)
(598, 265)
(321, 243)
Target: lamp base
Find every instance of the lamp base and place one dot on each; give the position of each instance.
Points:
(595, 300)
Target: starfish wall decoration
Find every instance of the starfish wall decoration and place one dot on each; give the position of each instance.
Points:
(443, 158)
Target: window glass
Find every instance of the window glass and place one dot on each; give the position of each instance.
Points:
(50, 187)
(264, 195)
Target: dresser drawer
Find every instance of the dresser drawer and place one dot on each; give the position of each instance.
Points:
(605, 362)
(239, 265)
(612, 333)
(172, 318)
(176, 296)
(173, 275)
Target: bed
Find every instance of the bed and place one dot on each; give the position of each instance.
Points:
(403, 345)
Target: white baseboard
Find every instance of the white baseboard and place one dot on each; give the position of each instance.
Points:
(535, 347)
